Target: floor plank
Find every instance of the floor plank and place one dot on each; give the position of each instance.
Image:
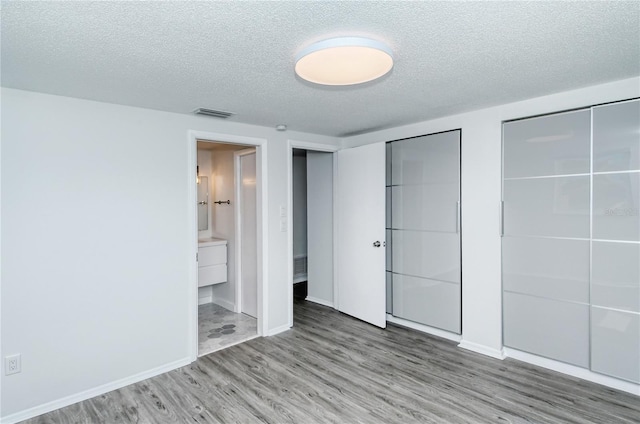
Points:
(331, 368)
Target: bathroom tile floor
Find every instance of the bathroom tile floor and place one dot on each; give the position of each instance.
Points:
(219, 328)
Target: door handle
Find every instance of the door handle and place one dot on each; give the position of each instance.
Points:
(202, 203)
(376, 244)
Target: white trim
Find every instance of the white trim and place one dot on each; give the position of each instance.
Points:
(627, 171)
(205, 299)
(222, 302)
(278, 330)
(90, 393)
(540, 177)
(260, 145)
(319, 301)
(335, 231)
(318, 147)
(192, 277)
(424, 328)
(616, 241)
(263, 240)
(573, 371)
(482, 349)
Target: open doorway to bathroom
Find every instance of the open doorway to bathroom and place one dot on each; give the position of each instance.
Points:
(227, 219)
(313, 227)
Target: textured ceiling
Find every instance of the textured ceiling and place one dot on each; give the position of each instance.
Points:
(238, 56)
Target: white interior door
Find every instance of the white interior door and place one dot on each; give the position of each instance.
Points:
(248, 235)
(361, 233)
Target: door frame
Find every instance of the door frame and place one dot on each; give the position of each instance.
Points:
(260, 144)
(237, 175)
(317, 147)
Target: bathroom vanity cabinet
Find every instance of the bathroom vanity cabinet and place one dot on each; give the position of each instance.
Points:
(212, 261)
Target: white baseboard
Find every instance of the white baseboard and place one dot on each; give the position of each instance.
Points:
(88, 394)
(224, 303)
(484, 350)
(574, 371)
(319, 301)
(204, 300)
(278, 330)
(424, 328)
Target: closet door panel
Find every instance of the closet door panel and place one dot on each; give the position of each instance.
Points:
(616, 206)
(389, 288)
(551, 268)
(426, 301)
(557, 207)
(616, 137)
(557, 144)
(427, 254)
(389, 250)
(425, 194)
(615, 343)
(426, 159)
(551, 328)
(430, 207)
(388, 207)
(615, 278)
(387, 163)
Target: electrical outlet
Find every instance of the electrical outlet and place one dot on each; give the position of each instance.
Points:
(12, 364)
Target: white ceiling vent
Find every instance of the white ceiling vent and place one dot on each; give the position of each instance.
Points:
(211, 112)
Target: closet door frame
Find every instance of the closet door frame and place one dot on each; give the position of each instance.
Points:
(458, 224)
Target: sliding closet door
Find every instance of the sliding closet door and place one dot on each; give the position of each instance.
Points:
(424, 194)
(571, 246)
(546, 224)
(615, 280)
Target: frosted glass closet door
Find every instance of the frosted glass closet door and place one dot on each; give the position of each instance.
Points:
(425, 230)
(615, 280)
(545, 249)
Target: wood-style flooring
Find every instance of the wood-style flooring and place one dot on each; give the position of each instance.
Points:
(331, 368)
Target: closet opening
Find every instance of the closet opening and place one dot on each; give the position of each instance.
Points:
(312, 227)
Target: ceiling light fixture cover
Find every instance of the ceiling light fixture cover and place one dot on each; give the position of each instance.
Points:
(344, 61)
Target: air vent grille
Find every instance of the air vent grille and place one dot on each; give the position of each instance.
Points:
(211, 112)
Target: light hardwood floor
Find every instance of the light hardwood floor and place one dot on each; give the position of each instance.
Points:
(331, 368)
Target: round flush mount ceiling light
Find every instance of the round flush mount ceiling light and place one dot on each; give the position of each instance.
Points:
(344, 61)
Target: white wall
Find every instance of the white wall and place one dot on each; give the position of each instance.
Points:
(320, 225)
(299, 212)
(481, 194)
(96, 243)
